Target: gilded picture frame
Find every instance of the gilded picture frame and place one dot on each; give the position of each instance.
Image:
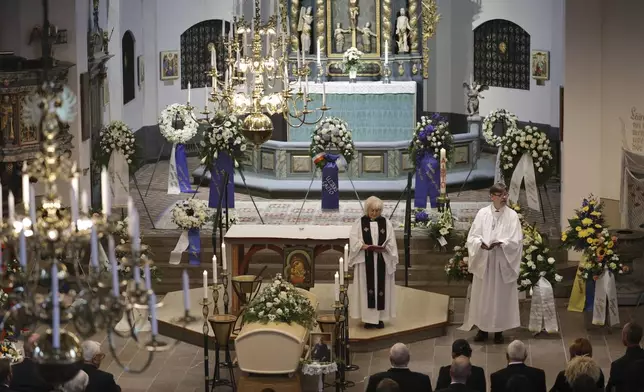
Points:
(169, 65)
(330, 27)
(540, 65)
(299, 267)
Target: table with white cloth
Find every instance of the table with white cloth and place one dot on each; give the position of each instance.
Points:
(374, 111)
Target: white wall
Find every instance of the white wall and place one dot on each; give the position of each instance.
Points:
(131, 19)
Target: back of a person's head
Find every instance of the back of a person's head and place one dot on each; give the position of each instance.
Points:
(632, 334)
(580, 347)
(90, 348)
(77, 384)
(461, 347)
(517, 351)
(461, 369)
(518, 383)
(584, 383)
(582, 366)
(399, 355)
(388, 385)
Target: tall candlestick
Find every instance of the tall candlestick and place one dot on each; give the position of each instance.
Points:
(188, 92)
(186, 291)
(214, 270)
(32, 205)
(136, 274)
(323, 94)
(443, 172)
(224, 257)
(346, 257)
(341, 271)
(55, 323)
(12, 207)
(386, 52)
(153, 314)
(148, 276)
(205, 284)
(25, 188)
(23, 249)
(105, 193)
(94, 247)
(116, 290)
(84, 202)
(336, 287)
(298, 59)
(73, 197)
(319, 49)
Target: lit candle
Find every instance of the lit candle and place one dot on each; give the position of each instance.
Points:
(336, 288)
(32, 205)
(341, 271)
(153, 314)
(112, 256)
(23, 249)
(224, 257)
(25, 188)
(148, 276)
(105, 192)
(84, 202)
(443, 172)
(73, 197)
(188, 92)
(386, 52)
(298, 58)
(346, 257)
(94, 247)
(55, 324)
(319, 50)
(205, 284)
(12, 207)
(286, 74)
(186, 291)
(214, 270)
(323, 94)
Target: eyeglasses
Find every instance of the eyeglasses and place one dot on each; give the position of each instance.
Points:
(499, 194)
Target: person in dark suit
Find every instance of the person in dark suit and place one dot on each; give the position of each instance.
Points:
(476, 380)
(585, 383)
(407, 380)
(26, 377)
(580, 347)
(622, 368)
(516, 356)
(5, 375)
(321, 351)
(460, 371)
(99, 381)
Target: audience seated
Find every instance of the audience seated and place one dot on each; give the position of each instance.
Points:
(99, 381)
(516, 356)
(5, 375)
(585, 383)
(476, 380)
(460, 371)
(77, 384)
(579, 348)
(26, 377)
(407, 380)
(388, 385)
(622, 369)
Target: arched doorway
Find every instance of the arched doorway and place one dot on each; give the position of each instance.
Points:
(129, 67)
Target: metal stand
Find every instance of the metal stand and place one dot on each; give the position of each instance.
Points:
(206, 368)
(136, 185)
(341, 324)
(222, 326)
(407, 225)
(155, 166)
(349, 367)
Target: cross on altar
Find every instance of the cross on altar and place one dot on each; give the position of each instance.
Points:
(354, 11)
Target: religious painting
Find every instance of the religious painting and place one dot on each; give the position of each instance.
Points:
(9, 127)
(321, 347)
(29, 133)
(170, 65)
(140, 66)
(540, 65)
(299, 266)
(353, 23)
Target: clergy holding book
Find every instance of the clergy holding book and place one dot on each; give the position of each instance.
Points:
(495, 245)
(374, 255)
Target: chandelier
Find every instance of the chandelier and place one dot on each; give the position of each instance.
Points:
(256, 81)
(50, 242)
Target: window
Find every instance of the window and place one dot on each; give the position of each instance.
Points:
(129, 67)
(502, 55)
(195, 55)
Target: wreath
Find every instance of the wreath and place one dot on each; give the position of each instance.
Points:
(222, 136)
(529, 140)
(509, 120)
(116, 136)
(431, 134)
(332, 132)
(190, 214)
(177, 115)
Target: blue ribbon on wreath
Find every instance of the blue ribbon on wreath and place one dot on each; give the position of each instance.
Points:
(194, 247)
(330, 183)
(427, 181)
(220, 166)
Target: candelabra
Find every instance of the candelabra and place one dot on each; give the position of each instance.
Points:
(205, 329)
(347, 347)
(339, 332)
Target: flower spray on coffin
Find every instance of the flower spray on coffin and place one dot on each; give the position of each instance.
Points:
(178, 126)
(190, 216)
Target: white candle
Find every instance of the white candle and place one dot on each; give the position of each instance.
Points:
(136, 273)
(318, 51)
(186, 291)
(116, 290)
(153, 314)
(443, 171)
(55, 323)
(188, 92)
(336, 288)
(386, 52)
(12, 207)
(148, 276)
(346, 257)
(205, 285)
(214, 270)
(341, 271)
(105, 192)
(84, 202)
(73, 197)
(224, 257)
(135, 235)
(223, 29)
(323, 94)
(286, 74)
(32, 205)
(298, 59)
(23, 249)
(25, 188)
(94, 247)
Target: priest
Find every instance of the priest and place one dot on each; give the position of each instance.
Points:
(374, 255)
(495, 246)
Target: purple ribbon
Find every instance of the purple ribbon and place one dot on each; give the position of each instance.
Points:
(330, 183)
(590, 295)
(183, 175)
(220, 166)
(428, 178)
(194, 247)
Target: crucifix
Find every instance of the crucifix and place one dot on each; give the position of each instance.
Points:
(354, 10)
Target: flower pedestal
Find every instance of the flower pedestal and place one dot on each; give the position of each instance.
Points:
(178, 174)
(330, 183)
(221, 166)
(353, 75)
(427, 181)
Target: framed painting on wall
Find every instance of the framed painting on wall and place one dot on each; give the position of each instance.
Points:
(299, 266)
(169, 65)
(140, 67)
(540, 65)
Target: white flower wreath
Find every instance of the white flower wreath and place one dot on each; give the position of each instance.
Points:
(168, 119)
(190, 214)
(509, 120)
(333, 132)
(529, 140)
(117, 135)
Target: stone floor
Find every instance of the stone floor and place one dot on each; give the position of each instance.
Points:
(181, 369)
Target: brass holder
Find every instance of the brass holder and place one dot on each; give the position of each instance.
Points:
(319, 79)
(225, 276)
(386, 74)
(442, 203)
(206, 368)
(246, 287)
(222, 327)
(215, 298)
(349, 367)
(186, 318)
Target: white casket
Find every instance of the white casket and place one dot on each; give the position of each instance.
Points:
(272, 348)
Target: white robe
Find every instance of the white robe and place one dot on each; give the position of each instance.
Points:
(494, 302)
(358, 306)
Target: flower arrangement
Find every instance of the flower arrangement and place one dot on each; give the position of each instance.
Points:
(442, 226)
(517, 208)
(431, 134)
(177, 115)
(8, 350)
(332, 132)
(508, 119)
(281, 302)
(223, 136)
(536, 262)
(351, 60)
(125, 271)
(600, 256)
(421, 218)
(190, 214)
(457, 266)
(115, 136)
(529, 140)
(584, 226)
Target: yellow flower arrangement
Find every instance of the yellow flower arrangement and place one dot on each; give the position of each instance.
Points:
(584, 225)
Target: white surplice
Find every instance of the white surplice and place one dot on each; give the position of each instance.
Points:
(494, 303)
(358, 306)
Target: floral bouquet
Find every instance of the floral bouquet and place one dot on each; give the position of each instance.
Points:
(8, 350)
(431, 134)
(457, 266)
(177, 124)
(584, 226)
(536, 263)
(280, 302)
(529, 140)
(508, 119)
(421, 218)
(223, 136)
(190, 214)
(332, 132)
(517, 208)
(125, 271)
(351, 60)
(600, 256)
(441, 227)
(115, 136)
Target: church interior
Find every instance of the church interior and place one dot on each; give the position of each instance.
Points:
(192, 185)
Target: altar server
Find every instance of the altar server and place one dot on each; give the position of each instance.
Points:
(374, 256)
(495, 245)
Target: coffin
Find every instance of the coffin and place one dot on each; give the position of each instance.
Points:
(272, 348)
